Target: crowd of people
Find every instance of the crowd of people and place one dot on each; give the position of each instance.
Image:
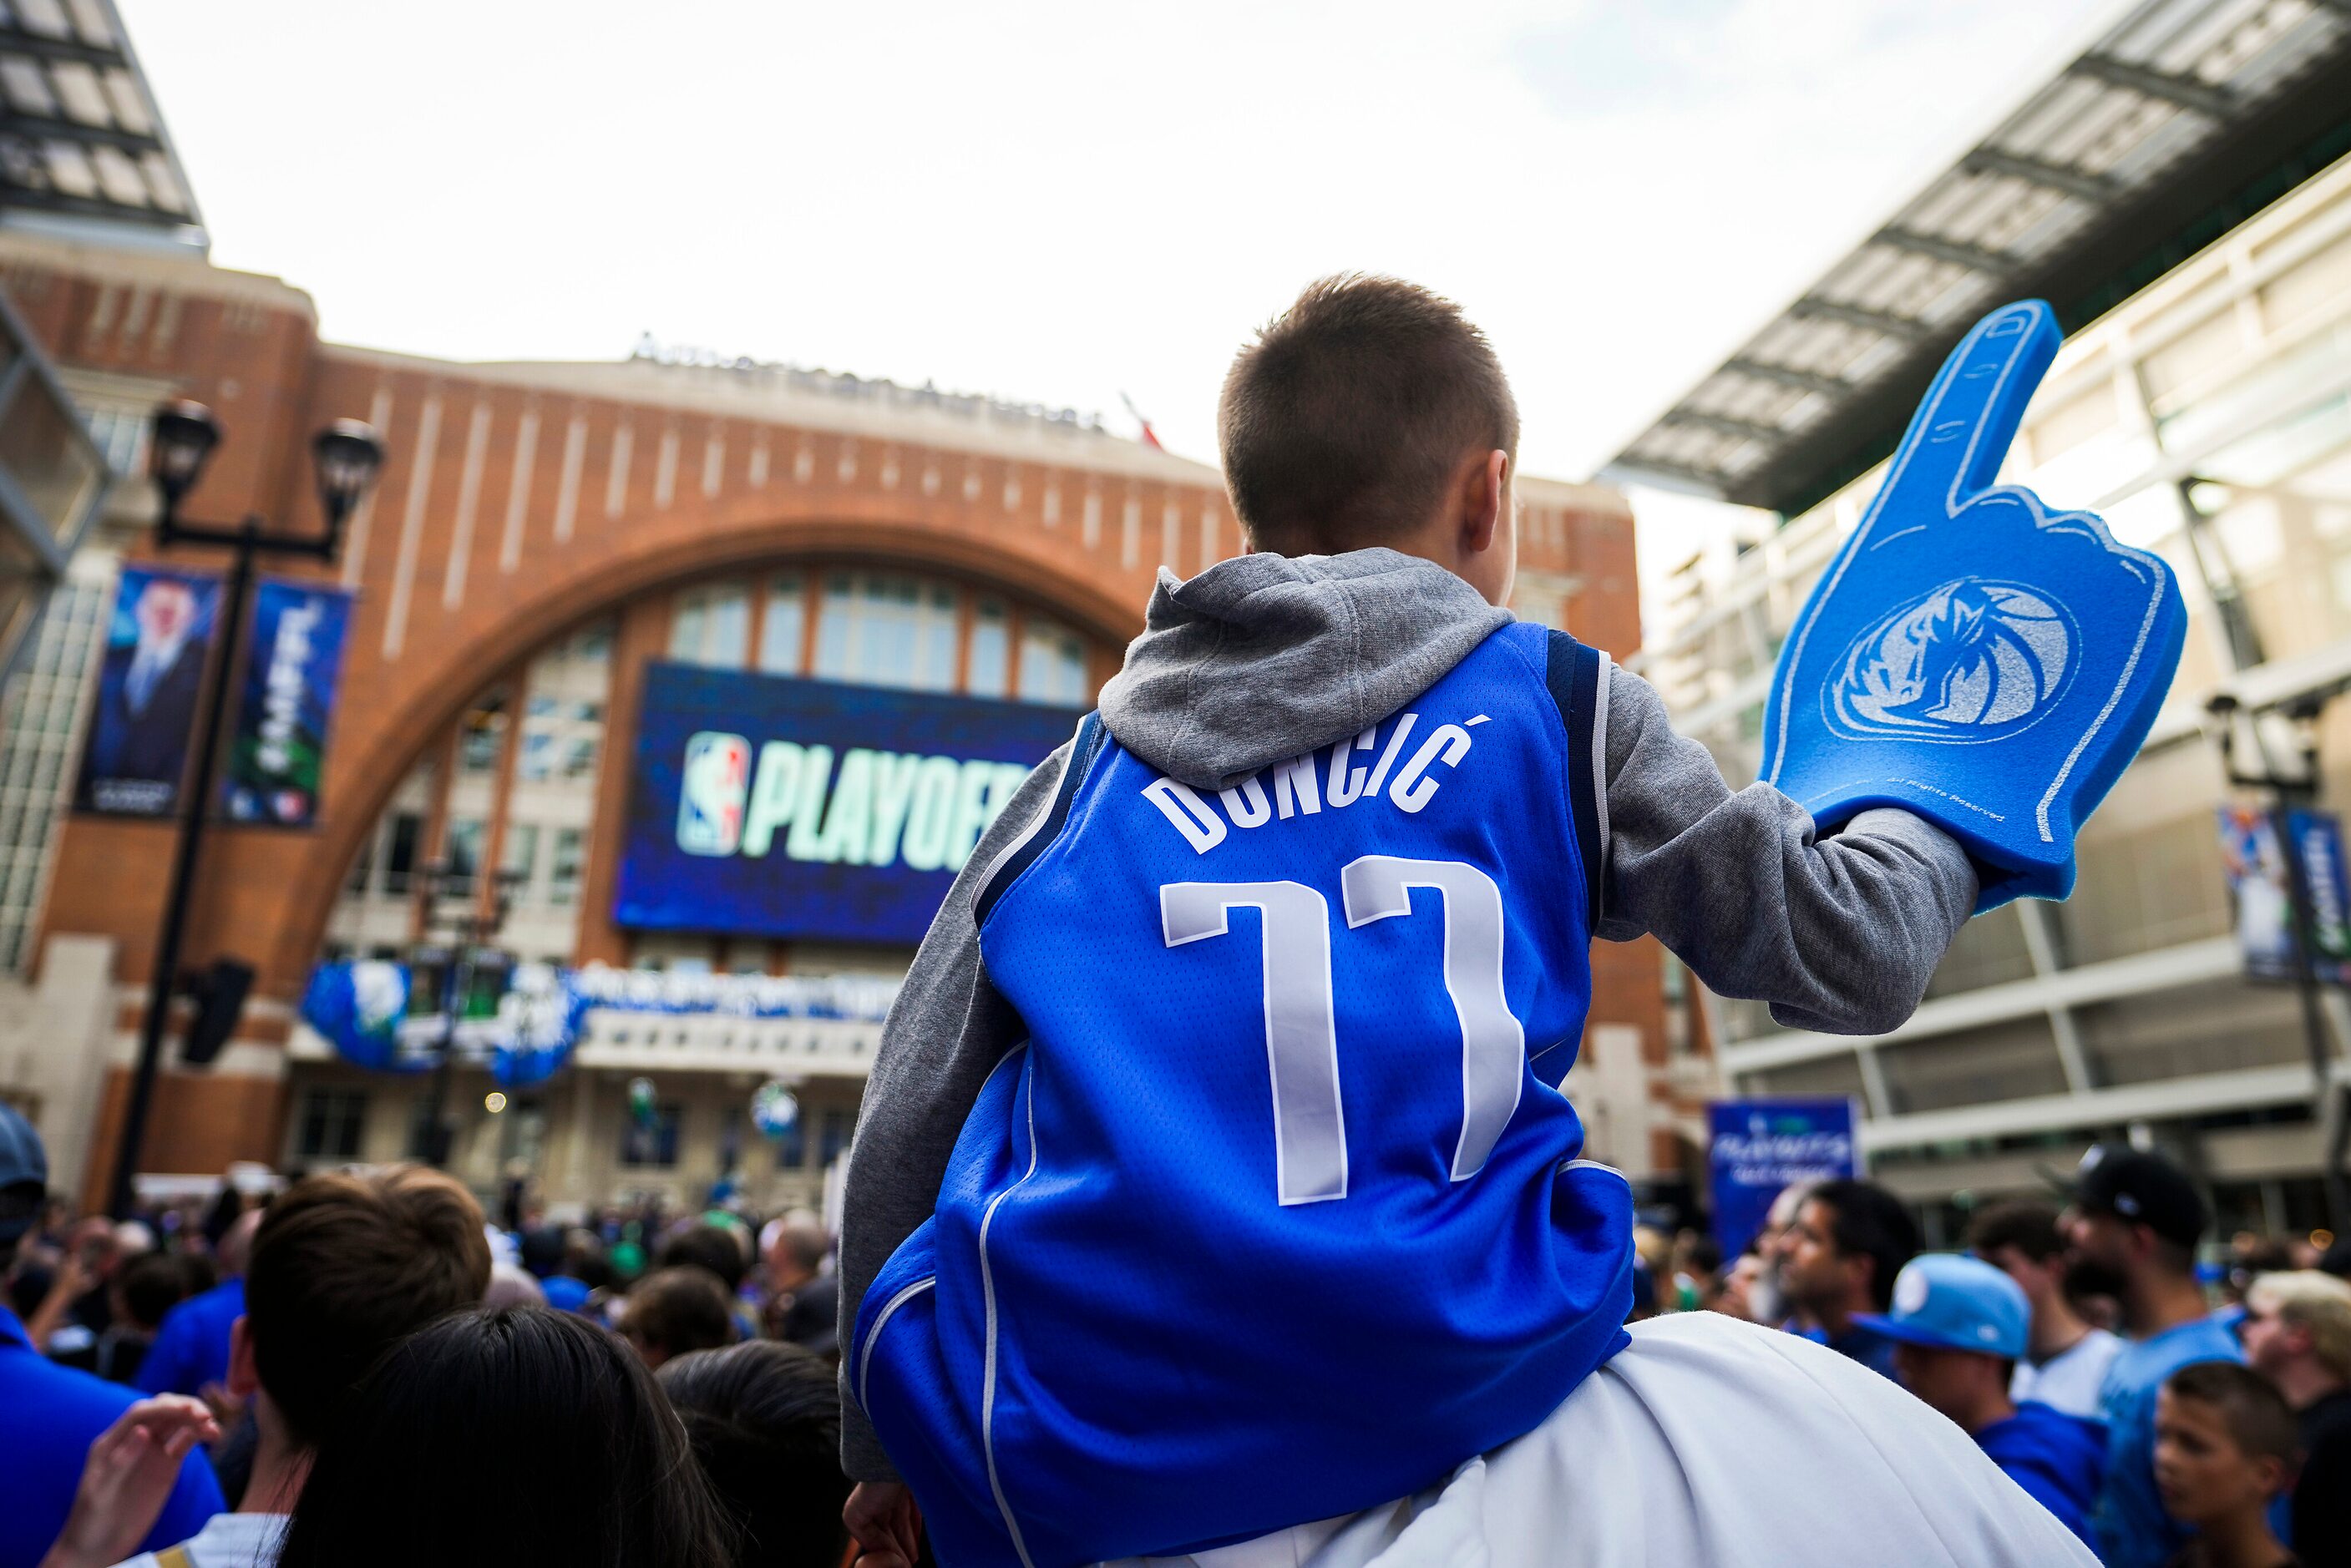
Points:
(2166, 1418)
(208, 1386)
(289, 1379)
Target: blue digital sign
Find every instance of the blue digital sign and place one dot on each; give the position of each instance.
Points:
(765, 806)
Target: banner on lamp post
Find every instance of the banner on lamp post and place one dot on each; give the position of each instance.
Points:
(2260, 891)
(287, 702)
(150, 684)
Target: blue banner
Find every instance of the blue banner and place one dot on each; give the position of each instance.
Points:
(766, 807)
(1758, 1148)
(279, 748)
(149, 685)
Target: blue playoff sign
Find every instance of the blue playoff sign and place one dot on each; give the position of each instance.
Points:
(1758, 1148)
(278, 750)
(766, 806)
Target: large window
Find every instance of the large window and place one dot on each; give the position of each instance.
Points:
(712, 626)
(652, 1144)
(882, 630)
(785, 626)
(991, 649)
(43, 723)
(329, 1124)
(1054, 667)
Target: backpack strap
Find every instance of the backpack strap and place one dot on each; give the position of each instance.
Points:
(1578, 678)
(1034, 839)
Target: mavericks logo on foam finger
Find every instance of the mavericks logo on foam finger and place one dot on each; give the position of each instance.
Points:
(1975, 659)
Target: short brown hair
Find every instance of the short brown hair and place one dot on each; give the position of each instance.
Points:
(1342, 425)
(2031, 1228)
(2259, 1419)
(344, 1267)
(680, 1309)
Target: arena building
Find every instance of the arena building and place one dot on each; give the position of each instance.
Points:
(2181, 192)
(548, 544)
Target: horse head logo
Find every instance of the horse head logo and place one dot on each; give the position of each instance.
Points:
(1973, 660)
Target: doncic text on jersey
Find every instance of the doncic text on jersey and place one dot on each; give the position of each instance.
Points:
(1338, 775)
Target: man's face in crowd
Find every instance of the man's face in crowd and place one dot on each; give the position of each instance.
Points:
(1939, 1377)
(2099, 1248)
(2200, 1469)
(2272, 1344)
(1812, 1269)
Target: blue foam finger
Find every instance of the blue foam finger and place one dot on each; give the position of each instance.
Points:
(1969, 655)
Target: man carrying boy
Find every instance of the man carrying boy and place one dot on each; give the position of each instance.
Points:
(2224, 1450)
(1214, 1175)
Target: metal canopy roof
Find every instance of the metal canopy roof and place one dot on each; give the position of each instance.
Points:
(2184, 118)
(82, 146)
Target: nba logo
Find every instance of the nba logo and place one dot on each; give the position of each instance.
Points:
(717, 777)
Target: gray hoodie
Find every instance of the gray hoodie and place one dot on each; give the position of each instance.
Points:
(1261, 658)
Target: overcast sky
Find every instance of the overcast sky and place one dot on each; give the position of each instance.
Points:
(1058, 202)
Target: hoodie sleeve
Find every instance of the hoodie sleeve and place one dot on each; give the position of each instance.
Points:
(945, 1034)
(1839, 933)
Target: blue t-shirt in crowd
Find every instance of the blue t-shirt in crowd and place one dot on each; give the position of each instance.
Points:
(192, 1348)
(49, 1414)
(564, 1293)
(2059, 1459)
(2131, 1528)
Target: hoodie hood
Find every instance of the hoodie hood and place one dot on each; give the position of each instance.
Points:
(1262, 658)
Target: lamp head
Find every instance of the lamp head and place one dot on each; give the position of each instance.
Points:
(348, 455)
(185, 434)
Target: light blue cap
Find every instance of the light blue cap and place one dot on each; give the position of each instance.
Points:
(1948, 1301)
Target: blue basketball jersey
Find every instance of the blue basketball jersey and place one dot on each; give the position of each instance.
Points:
(1278, 1213)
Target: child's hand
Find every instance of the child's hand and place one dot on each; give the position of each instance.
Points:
(887, 1526)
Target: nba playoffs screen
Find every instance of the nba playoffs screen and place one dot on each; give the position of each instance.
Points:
(761, 805)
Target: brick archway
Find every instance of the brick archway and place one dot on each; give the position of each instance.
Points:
(366, 768)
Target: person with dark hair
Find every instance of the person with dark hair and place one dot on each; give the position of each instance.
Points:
(2131, 1233)
(706, 1246)
(343, 1266)
(2066, 1357)
(191, 1352)
(674, 1311)
(1850, 1239)
(2224, 1451)
(146, 1291)
(497, 1438)
(1338, 816)
(764, 1420)
(51, 1415)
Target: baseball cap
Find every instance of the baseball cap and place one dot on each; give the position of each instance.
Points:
(24, 1164)
(2142, 1187)
(1945, 1301)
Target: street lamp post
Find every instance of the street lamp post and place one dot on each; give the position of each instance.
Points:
(475, 929)
(347, 455)
(2291, 789)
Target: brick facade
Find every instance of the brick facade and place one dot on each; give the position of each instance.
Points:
(519, 500)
